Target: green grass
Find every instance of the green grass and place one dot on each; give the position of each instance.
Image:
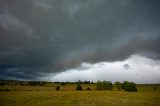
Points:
(67, 96)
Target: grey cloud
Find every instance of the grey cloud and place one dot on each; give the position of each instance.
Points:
(56, 35)
(126, 66)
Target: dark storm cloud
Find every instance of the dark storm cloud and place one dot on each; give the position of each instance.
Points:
(49, 36)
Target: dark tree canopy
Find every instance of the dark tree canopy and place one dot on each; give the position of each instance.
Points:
(129, 86)
(78, 87)
(118, 85)
(105, 85)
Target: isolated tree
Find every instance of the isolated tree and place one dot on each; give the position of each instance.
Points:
(22, 84)
(2, 84)
(7, 90)
(118, 85)
(57, 88)
(154, 88)
(15, 84)
(78, 87)
(88, 89)
(129, 86)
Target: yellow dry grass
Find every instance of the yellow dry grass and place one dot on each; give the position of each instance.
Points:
(67, 96)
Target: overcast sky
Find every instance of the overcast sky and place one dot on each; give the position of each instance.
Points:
(69, 40)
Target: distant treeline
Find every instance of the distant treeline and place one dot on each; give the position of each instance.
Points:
(38, 83)
(79, 85)
(24, 83)
(107, 85)
(77, 82)
(43, 83)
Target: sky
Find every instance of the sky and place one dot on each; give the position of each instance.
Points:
(70, 40)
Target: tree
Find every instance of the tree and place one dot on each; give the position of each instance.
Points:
(88, 89)
(118, 85)
(109, 85)
(129, 86)
(2, 84)
(33, 83)
(105, 85)
(22, 84)
(78, 87)
(63, 84)
(154, 88)
(57, 88)
(99, 85)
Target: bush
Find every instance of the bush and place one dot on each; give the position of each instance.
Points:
(118, 85)
(99, 85)
(105, 85)
(129, 86)
(88, 89)
(154, 88)
(63, 84)
(7, 90)
(2, 84)
(15, 84)
(58, 88)
(108, 85)
(78, 87)
(33, 83)
(22, 84)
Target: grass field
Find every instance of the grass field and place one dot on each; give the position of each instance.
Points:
(147, 95)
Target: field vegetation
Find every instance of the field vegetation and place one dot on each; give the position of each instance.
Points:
(19, 93)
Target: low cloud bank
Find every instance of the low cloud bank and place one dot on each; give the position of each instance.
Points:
(136, 68)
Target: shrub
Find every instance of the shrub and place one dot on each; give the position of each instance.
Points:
(118, 85)
(105, 85)
(108, 85)
(63, 84)
(129, 86)
(78, 87)
(15, 84)
(7, 90)
(154, 88)
(58, 88)
(33, 83)
(99, 85)
(88, 89)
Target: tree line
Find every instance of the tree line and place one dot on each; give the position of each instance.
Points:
(107, 85)
(100, 85)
